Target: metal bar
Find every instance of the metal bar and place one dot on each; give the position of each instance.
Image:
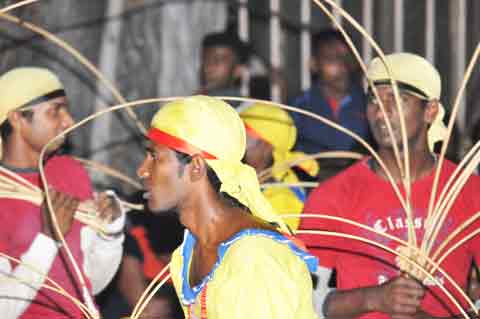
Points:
(243, 33)
(336, 14)
(430, 31)
(458, 17)
(305, 44)
(275, 46)
(367, 17)
(398, 26)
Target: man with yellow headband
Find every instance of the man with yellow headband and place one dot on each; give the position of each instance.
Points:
(33, 110)
(369, 281)
(271, 135)
(236, 260)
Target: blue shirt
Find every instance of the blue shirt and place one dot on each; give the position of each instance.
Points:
(315, 136)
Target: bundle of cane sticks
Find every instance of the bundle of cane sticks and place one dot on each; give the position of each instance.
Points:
(16, 187)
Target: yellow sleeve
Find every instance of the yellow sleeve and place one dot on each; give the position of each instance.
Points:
(262, 278)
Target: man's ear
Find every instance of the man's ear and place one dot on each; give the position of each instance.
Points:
(431, 111)
(197, 168)
(15, 119)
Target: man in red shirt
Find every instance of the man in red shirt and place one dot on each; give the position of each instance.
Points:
(369, 281)
(33, 110)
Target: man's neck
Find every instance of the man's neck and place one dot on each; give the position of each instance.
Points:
(421, 164)
(211, 222)
(336, 91)
(15, 156)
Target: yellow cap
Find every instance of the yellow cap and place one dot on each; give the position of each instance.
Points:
(275, 126)
(416, 72)
(23, 85)
(210, 127)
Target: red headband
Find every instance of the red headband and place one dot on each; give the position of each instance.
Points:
(162, 138)
(251, 131)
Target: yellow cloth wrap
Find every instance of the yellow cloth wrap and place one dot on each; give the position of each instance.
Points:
(22, 85)
(309, 166)
(279, 284)
(276, 127)
(413, 70)
(213, 126)
(285, 202)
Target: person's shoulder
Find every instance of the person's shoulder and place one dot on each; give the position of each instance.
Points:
(261, 246)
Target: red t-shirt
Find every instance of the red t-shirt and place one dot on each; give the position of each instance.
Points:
(362, 196)
(20, 222)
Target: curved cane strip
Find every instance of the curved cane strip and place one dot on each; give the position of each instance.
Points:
(21, 182)
(150, 296)
(141, 300)
(56, 287)
(334, 125)
(453, 115)
(451, 202)
(405, 258)
(132, 206)
(11, 188)
(17, 5)
(60, 292)
(412, 236)
(159, 100)
(451, 180)
(445, 206)
(80, 58)
(110, 172)
(362, 65)
(267, 173)
(459, 243)
(86, 293)
(452, 235)
(428, 260)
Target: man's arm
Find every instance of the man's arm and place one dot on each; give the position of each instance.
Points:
(400, 298)
(22, 282)
(103, 254)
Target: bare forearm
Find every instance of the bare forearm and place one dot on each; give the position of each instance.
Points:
(350, 303)
(399, 298)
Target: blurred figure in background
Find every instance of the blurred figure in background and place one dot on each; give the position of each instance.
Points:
(271, 135)
(223, 61)
(336, 94)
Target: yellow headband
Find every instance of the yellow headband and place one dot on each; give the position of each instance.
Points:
(23, 85)
(210, 127)
(275, 126)
(416, 72)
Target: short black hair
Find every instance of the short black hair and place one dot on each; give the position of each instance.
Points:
(326, 36)
(230, 40)
(215, 182)
(6, 128)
